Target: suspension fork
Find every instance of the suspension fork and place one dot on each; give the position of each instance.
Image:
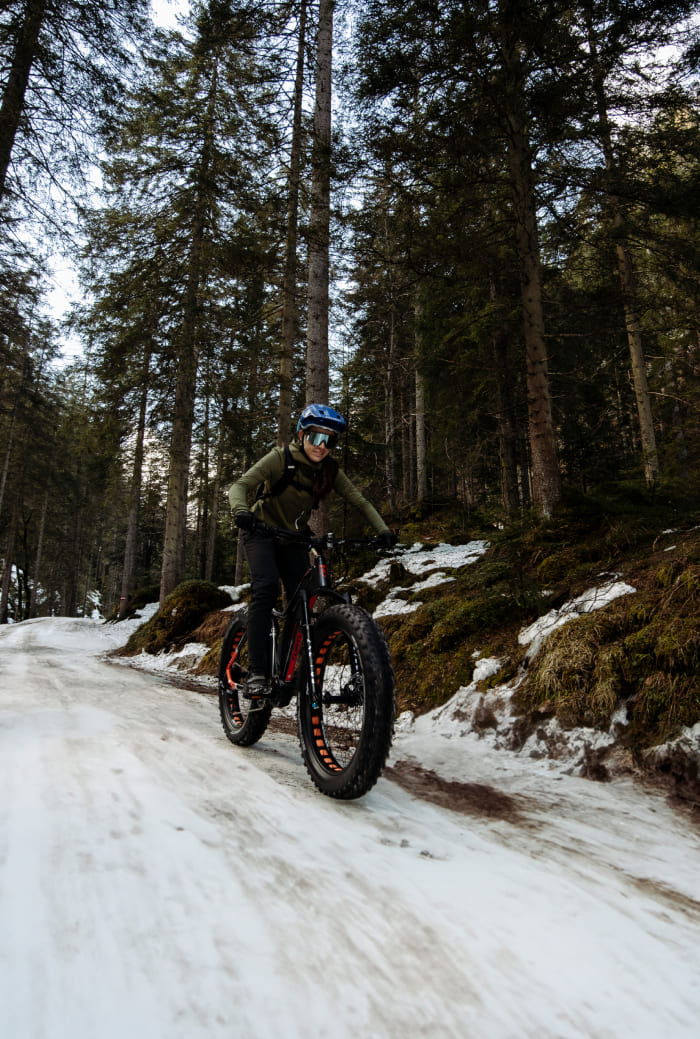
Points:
(305, 625)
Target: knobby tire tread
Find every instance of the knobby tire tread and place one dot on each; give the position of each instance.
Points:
(251, 725)
(361, 773)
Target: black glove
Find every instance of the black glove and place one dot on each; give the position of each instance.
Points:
(244, 520)
(387, 539)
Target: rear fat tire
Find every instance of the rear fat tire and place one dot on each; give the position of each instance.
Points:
(242, 725)
(345, 745)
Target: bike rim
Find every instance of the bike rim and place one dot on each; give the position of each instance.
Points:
(235, 672)
(337, 721)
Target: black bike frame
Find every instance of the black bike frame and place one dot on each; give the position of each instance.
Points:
(296, 619)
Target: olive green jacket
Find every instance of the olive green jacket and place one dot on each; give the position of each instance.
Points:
(291, 509)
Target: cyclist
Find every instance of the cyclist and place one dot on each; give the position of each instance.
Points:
(287, 484)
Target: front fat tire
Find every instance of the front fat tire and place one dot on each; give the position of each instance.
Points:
(241, 725)
(345, 745)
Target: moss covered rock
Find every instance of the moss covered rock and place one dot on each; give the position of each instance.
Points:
(178, 618)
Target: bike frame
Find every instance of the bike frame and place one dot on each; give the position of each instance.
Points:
(297, 621)
(296, 618)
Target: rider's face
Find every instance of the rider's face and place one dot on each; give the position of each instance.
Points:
(316, 452)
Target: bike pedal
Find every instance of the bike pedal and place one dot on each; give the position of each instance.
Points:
(258, 702)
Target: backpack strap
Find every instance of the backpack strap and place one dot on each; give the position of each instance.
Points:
(288, 477)
(284, 481)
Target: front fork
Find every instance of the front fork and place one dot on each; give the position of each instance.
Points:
(305, 625)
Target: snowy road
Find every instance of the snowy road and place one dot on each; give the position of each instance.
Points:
(156, 881)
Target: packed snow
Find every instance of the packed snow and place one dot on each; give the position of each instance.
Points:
(156, 881)
(592, 599)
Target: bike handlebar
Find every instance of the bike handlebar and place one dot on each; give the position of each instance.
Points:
(319, 542)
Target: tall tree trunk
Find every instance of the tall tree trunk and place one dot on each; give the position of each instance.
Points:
(204, 486)
(289, 285)
(507, 433)
(317, 375)
(181, 437)
(546, 479)
(634, 340)
(240, 560)
(186, 382)
(408, 443)
(317, 380)
(9, 562)
(17, 80)
(421, 444)
(33, 602)
(421, 438)
(70, 603)
(214, 511)
(677, 422)
(8, 449)
(390, 415)
(625, 271)
(135, 493)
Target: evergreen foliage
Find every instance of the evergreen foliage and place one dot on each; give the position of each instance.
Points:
(478, 150)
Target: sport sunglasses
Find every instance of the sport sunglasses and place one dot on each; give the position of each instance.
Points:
(316, 439)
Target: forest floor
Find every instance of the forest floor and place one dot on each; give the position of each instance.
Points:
(575, 642)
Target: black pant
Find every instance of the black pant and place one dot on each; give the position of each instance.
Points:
(269, 560)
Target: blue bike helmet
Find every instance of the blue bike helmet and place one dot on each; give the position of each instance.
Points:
(323, 416)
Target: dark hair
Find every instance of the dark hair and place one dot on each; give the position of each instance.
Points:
(324, 478)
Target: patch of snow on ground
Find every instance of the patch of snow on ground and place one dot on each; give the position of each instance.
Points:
(236, 591)
(487, 716)
(394, 604)
(418, 560)
(592, 599)
(180, 660)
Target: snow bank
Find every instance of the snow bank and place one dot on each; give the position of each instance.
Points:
(485, 719)
(592, 599)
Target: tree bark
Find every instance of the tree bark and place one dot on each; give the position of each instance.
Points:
(317, 380)
(9, 563)
(546, 480)
(317, 375)
(636, 347)
(421, 451)
(625, 271)
(186, 382)
(8, 447)
(507, 434)
(135, 493)
(181, 437)
(214, 511)
(289, 285)
(33, 601)
(390, 415)
(421, 448)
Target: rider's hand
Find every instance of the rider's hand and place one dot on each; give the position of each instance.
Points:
(244, 520)
(387, 539)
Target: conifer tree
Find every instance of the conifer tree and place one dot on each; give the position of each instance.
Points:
(634, 30)
(64, 63)
(186, 163)
(481, 77)
(317, 381)
(288, 330)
